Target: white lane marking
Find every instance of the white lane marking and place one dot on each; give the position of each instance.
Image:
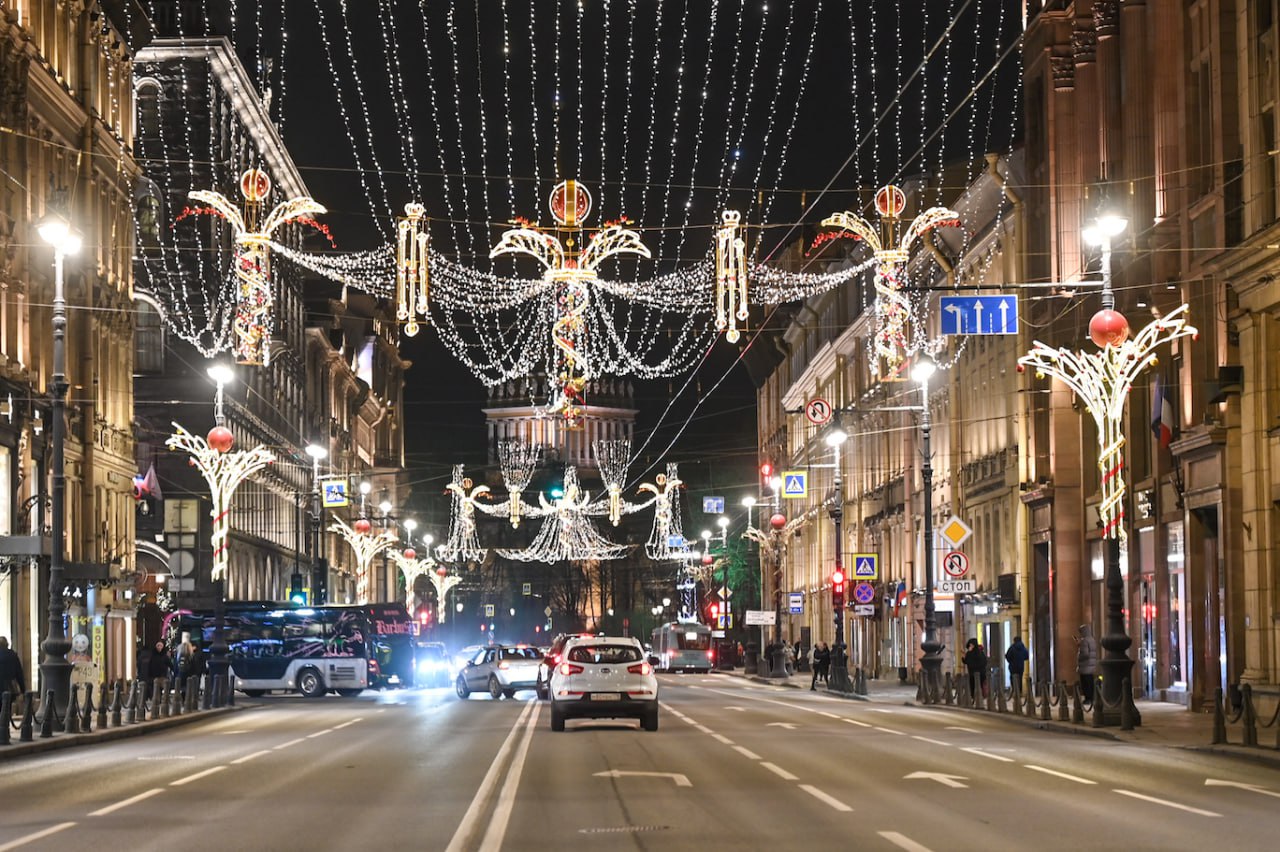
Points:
(902, 841)
(859, 724)
(880, 710)
(229, 733)
(1214, 782)
(39, 835)
(689, 721)
(676, 777)
(291, 743)
(722, 738)
(823, 797)
(891, 731)
(345, 724)
(828, 715)
(746, 752)
(737, 709)
(962, 728)
(1057, 774)
(127, 802)
(507, 796)
(249, 757)
(790, 726)
(1167, 803)
(980, 753)
(197, 776)
(927, 740)
(779, 771)
(704, 729)
(320, 733)
(170, 757)
(463, 834)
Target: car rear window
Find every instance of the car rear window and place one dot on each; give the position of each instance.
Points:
(520, 654)
(604, 654)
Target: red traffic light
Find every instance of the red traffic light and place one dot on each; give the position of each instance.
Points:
(837, 578)
(766, 470)
(715, 610)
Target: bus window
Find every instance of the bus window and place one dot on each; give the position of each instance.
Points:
(693, 640)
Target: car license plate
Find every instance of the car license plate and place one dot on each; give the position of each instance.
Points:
(605, 696)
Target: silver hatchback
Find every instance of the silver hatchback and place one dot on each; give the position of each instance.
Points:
(500, 670)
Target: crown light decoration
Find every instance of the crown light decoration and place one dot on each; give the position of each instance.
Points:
(893, 309)
(252, 323)
(224, 470)
(365, 545)
(411, 268)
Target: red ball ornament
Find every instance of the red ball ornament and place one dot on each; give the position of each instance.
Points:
(706, 559)
(1108, 327)
(363, 526)
(442, 571)
(410, 553)
(778, 520)
(221, 439)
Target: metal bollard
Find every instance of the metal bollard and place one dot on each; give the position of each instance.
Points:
(47, 713)
(947, 684)
(115, 705)
(1046, 701)
(157, 689)
(1127, 709)
(71, 722)
(175, 701)
(1064, 706)
(6, 710)
(206, 692)
(1002, 705)
(27, 730)
(86, 712)
(992, 689)
(1077, 705)
(1250, 716)
(1219, 718)
(1099, 711)
(131, 702)
(102, 705)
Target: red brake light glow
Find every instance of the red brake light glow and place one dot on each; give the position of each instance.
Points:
(570, 669)
(504, 665)
(711, 655)
(640, 669)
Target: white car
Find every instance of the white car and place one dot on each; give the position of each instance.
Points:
(604, 677)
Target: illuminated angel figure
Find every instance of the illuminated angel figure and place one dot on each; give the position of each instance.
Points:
(223, 470)
(252, 263)
(666, 517)
(366, 544)
(893, 309)
(567, 533)
(1102, 380)
(572, 271)
(463, 544)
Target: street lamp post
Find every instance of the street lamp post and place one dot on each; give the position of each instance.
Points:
(219, 664)
(55, 670)
(931, 661)
(839, 674)
(319, 567)
(751, 665)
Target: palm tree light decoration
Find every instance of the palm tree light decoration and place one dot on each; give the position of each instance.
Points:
(252, 323)
(573, 271)
(366, 545)
(893, 308)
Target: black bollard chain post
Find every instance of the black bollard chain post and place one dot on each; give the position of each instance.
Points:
(115, 705)
(102, 705)
(48, 713)
(71, 723)
(6, 710)
(1250, 717)
(27, 730)
(157, 690)
(86, 712)
(131, 702)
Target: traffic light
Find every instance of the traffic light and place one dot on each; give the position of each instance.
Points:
(766, 471)
(320, 581)
(715, 612)
(297, 594)
(837, 589)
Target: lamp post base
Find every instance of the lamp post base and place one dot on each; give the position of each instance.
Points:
(778, 664)
(55, 673)
(931, 670)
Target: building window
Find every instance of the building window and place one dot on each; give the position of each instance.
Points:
(148, 339)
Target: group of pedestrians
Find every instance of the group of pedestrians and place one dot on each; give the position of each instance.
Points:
(159, 663)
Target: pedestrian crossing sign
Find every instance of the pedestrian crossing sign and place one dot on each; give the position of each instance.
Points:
(334, 491)
(795, 484)
(866, 566)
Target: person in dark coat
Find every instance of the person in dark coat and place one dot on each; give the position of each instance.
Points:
(11, 675)
(821, 665)
(159, 665)
(1016, 656)
(975, 660)
(192, 664)
(1086, 660)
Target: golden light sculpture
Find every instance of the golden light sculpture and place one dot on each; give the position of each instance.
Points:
(411, 268)
(731, 276)
(365, 545)
(891, 251)
(252, 324)
(573, 271)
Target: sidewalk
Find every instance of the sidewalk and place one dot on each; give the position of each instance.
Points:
(60, 740)
(1163, 724)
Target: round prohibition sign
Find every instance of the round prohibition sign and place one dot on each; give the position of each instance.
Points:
(818, 410)
(955, 564)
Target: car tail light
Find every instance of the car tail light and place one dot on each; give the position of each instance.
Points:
(570, 669)
(711, 655)
(640, 669)
(504, 665)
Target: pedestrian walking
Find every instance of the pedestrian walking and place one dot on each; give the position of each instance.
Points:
(1086, 660)
(159, 665)
(975, 660)
(11, 676)
(789, 658)
(192, 664)
(1016, 656)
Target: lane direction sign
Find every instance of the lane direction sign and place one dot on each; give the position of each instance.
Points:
(979, 314)
(681, 780)
(940, 777)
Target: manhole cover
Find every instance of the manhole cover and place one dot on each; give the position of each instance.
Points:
(624, 829)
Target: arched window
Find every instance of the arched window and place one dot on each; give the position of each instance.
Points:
(148, 339)
(147, 96)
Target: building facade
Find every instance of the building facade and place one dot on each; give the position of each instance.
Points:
(66, 150)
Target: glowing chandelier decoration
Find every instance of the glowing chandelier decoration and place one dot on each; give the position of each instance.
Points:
(412, 275)
(366, 545)
(223, 470)
(731, 276)
(252, 323)
(518, 461)
(572, 271)
(566, 532)
(1102, 380)
(463, 543)
(611, 459)
(893, 310)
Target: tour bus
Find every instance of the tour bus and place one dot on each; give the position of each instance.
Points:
(391, 644)
(312, 650)
(683, 646)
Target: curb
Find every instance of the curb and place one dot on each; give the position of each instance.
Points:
(61, 741)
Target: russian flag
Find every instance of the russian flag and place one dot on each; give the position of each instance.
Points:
(1161, 413)
(900, 598)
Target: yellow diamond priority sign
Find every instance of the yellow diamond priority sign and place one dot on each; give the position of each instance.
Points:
(956, 531)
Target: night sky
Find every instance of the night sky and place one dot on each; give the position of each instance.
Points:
(668, 115)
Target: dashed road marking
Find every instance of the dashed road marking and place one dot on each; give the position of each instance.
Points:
(132, 800)
(249, 757)
(1167, 803)
(779, 771)
(928, 740)
(205, 774)
(1057, 774)
(34, 836)
(746, 752)
(291, 743)
(823, 797)
(902, 841)
(320, 733)
(980, 753)
(890, 731)
(722, 738)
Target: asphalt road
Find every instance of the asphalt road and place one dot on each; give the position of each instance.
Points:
(735, 765)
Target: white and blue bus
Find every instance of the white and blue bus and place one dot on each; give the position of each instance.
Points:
(683, 646)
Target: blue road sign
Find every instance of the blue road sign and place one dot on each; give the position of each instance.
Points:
(796, 602)
(980, 314)
(676, 542)
(795, 484)
(713, 505)
(864, 593)
(866, 566)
